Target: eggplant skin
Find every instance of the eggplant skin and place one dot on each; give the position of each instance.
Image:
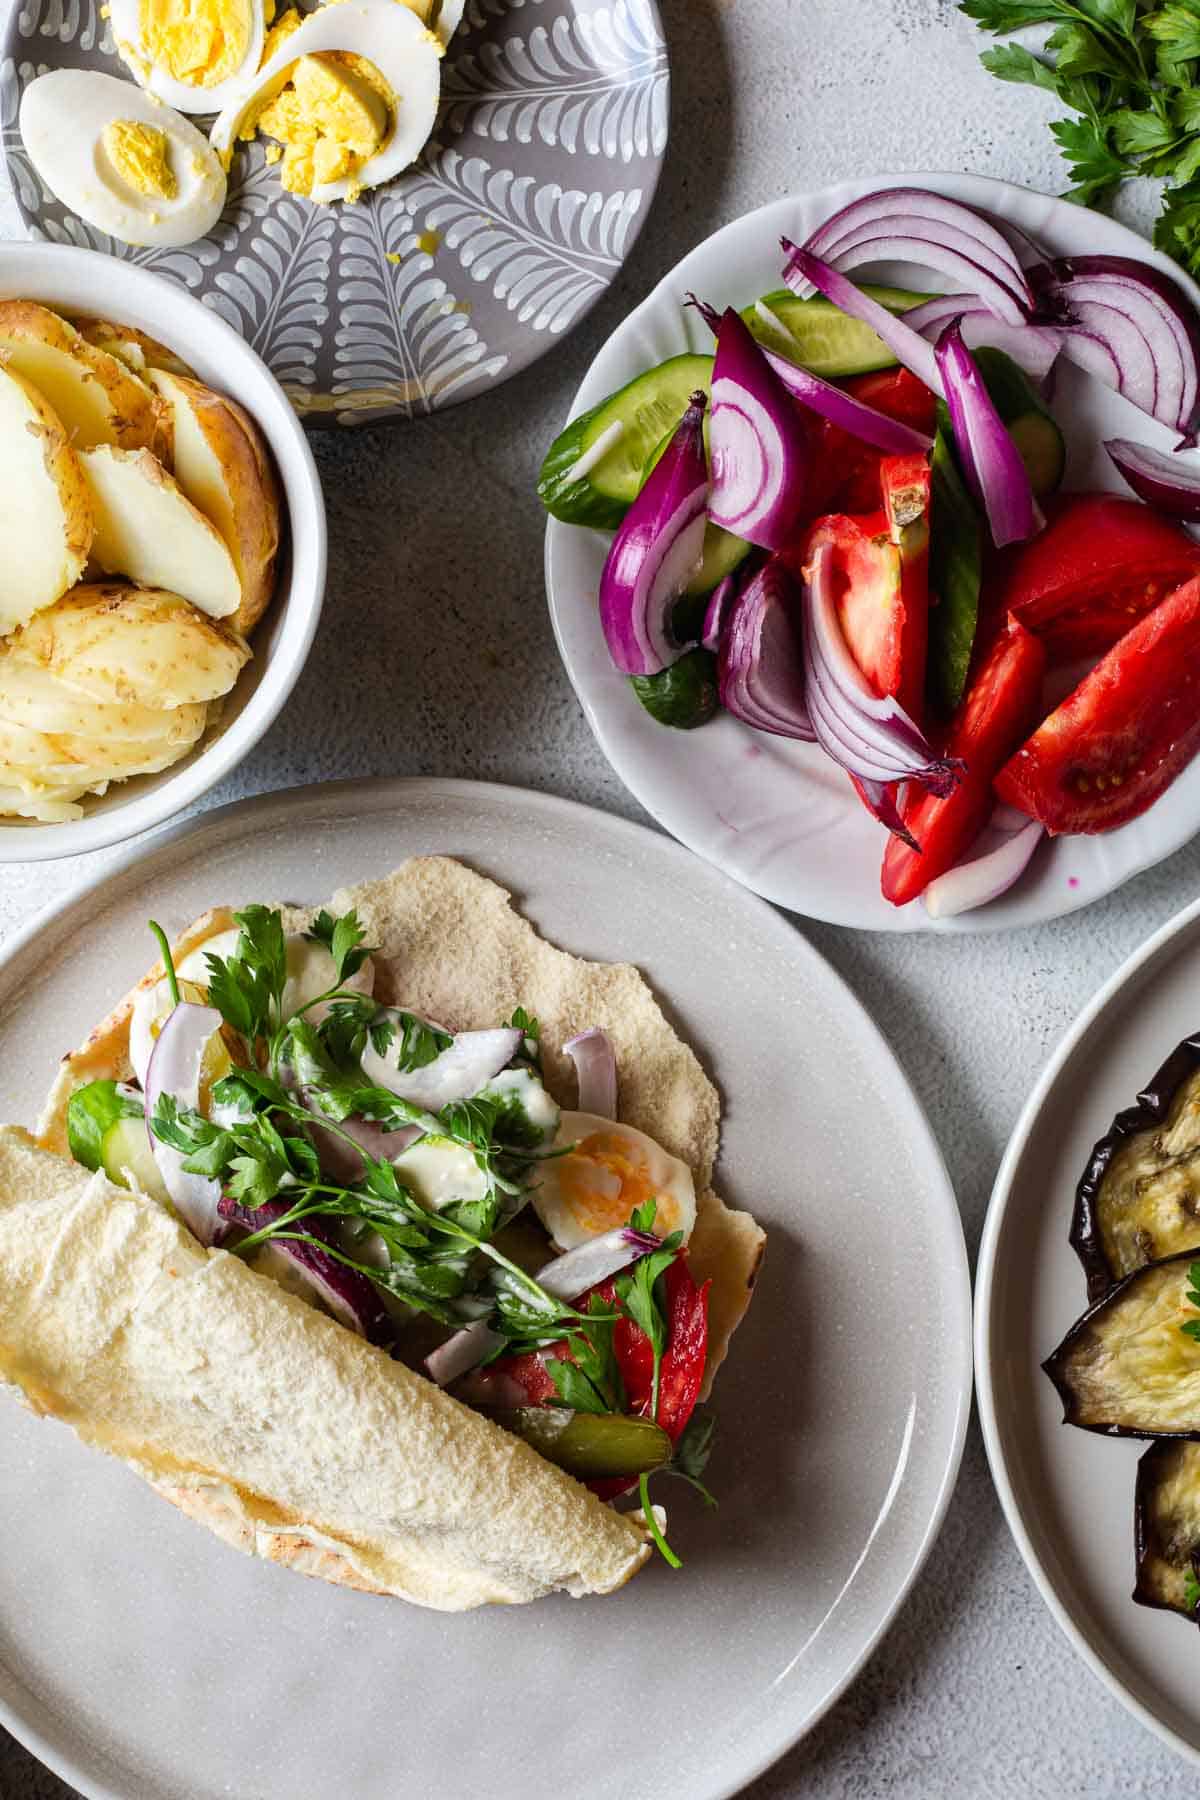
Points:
(1125, 1368)
(1138, 1200)
(1167, 1528)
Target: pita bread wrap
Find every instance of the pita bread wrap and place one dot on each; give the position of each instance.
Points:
(449, 945)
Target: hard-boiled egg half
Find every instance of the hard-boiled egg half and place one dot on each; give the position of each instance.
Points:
(122, 161)
(194, 54)
(611, 1170)
(351, 92)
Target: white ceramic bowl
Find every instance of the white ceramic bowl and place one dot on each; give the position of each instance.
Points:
(85, 281)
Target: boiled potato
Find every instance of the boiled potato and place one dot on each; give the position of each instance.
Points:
(118, 643)
(60, 759)
(32, 697)
(224, 468)
(136, 349)
(146, 528)
(98, 399)
(46, 513)
(48, 805)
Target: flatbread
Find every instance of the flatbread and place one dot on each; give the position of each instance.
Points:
(450, 945)
(285, 1433)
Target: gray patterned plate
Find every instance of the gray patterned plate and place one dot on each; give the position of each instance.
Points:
(517, 217)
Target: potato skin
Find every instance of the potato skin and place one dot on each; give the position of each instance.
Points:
(137, 418)
(136, 349)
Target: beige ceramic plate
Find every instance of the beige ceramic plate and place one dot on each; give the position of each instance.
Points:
(142, 1659)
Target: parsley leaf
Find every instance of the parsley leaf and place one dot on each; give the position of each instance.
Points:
(343, 938)
(1192, 1326)
(692, 1452)
(1191, 1589)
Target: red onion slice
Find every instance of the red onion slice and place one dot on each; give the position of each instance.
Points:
(879, 798)
(345, 1293)
(991, 461)
(563, 1279)
(804, 270)
(1033, 348)
(656, 551)
(871, 737)
(472, 1060)
(760, 668)
(759, 447)
(996, 860)
(923, 227)
(174, 1068)
(1170, 484)
(341, 1161)
(833, 403)
(596, 1072)
(715, 615)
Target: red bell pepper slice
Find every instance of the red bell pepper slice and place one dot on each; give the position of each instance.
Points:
(1119, 740)
(1102, 562)
(996, 711)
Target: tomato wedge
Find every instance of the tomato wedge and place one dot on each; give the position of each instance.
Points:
(1102, 562)
(996, 711)
(905, 485)
(1123, 735)
(869, 592)
(847, 468)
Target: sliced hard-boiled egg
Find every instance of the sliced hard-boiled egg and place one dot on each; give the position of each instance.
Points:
(311, 972)
(153, 1005)
(122, 161)
(399, 49)
(611, 1170)
(194, 54)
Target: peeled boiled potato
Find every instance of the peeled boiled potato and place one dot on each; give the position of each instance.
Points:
(98, 399)
(119, 644)
(57, 759)
(147, 529)
(46, 514)
(224, 468)
(32, 697)
(136, 349)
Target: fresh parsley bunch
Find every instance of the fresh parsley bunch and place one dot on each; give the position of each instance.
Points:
(1127, 69)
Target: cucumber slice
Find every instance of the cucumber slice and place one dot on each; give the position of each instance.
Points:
(1033, 429)
(683, 695)
(819, 336)
(636, 417)
(590, 1446)
(127, 1158)
(91, 1111)
(723, 553)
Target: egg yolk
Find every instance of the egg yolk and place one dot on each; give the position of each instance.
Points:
(201, 42)
(332, 114)
(138, 153)
(604, 1179)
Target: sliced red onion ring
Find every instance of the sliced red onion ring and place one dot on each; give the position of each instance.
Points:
(991, 461)
(564, 1279)
(174, 1068)
(1032, 347)
(472, 1060)
(996, 860)
(656, 551)
(320, 1277)
(596, 1072)
(892, 436)
(760, 668)
(871, 737)
(804, 270)
(717, 611)
(879, 798)
(909, 224)
(341, 1161)
(759, 447)
(1168, 483)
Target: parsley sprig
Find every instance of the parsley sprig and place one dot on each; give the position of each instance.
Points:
(1127, 71)
(1191, 1327)
(1191, 1589)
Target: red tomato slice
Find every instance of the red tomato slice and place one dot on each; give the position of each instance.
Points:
(868, 591)
(996, 711)
(848, 469)
(1123, 735)
(1102, 563)
(905, 487)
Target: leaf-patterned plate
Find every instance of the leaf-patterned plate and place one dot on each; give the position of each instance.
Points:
(518, 215)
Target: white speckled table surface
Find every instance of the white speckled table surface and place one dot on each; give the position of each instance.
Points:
(436, 657)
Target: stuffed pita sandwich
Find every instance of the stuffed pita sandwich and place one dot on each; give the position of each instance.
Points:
(381, 1240)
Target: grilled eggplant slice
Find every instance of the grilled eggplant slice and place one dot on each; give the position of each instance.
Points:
(1167, 1528)
(1139, 1198)
(1127, 1367)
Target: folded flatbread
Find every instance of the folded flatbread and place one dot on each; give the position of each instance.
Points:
(279, 1429)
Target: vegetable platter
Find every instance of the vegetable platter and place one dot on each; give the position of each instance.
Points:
(849, 615)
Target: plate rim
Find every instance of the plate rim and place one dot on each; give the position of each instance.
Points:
(540, 344)
(990, 1418)
(558, 532)
(942, 1198)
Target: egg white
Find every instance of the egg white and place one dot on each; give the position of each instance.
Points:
(613, 1169)
(62, 120)
(186, 96)
(405, 52)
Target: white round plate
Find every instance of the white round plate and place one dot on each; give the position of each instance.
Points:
(1068, 1494)
(144, 1661)
(779, 816)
